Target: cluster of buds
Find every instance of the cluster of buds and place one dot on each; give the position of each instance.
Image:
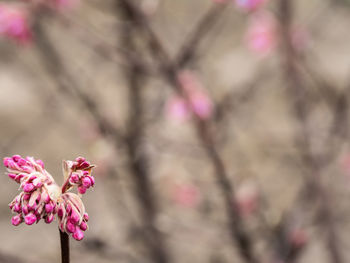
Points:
(79, 173)
(72, 217)
(39, 196)
(42, 198)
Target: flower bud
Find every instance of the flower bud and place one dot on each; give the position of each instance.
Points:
(49, 208)
(81, 189)
(16, 220)
(78, 234)
(83, 226)
(28, 187)
(70, 227)
(49, 218)
(30, 219)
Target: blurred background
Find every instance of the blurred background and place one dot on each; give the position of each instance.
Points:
(219, 128)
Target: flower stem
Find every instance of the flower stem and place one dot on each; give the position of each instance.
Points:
(64, 247)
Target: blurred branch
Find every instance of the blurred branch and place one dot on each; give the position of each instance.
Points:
(66, 83)
(299, 108)
(138, 159)
(188, 49)
(169, 72)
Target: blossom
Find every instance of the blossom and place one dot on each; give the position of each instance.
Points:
(42, 198)
(247, 198)
(72, 217)
(261, 36)
(186, 195)
(14, 23)
(298, 238)
(197, 101)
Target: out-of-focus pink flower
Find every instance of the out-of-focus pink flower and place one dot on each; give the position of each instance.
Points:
(250, 5)
(261, 36)
(42, 198)
(247, 198)
(298, 238)
(199, 102)
(186, 195)
(14, 24)
(177, 108)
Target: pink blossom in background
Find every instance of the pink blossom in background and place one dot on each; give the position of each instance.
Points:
(199, 101)
(186, 195)
(298, 238)
(261, 36)
(250, 5)
(201, 104)
(247, 198)
(14, 24)
(177, 108)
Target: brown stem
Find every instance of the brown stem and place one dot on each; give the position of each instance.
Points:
(138, 158)
(64, 247)
(313, 164)
(170, 72)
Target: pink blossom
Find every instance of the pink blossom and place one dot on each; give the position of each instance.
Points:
(14, 24)
(186, 195)
(72, 217)
(261, 36)
(247, 198)
(43, 198)
(250, 5)
(78, 173)
(177, 108)
(198, 103)
(298, 238)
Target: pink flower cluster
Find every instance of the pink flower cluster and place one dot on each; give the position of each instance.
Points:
(199, 102)
(80, 174)
(35, 201)
(72, 217)
(41, 197)
(14, 24)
